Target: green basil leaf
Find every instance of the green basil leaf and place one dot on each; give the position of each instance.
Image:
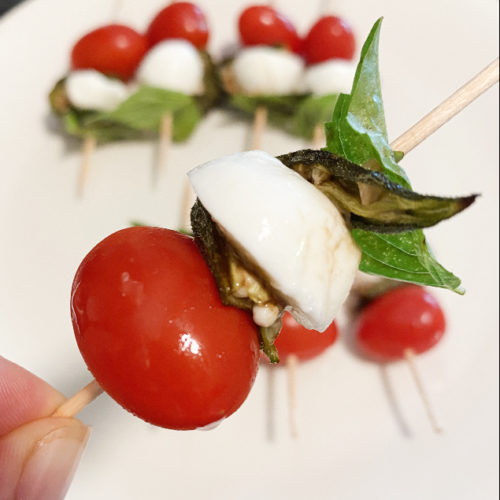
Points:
(137, 117)
(403, 257)
(313, 110)
(144, 109)
(84, 123)
(357, 132)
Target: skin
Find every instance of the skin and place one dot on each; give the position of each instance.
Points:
(38, 453)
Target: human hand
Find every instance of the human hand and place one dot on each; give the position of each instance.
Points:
(38, 453)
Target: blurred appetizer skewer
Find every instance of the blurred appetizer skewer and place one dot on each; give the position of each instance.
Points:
(263, 78)
(399, 324)
(124, 85)
(328, 50)
(101, 61)
(177, 35)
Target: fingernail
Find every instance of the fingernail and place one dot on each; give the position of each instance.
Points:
(51, 466)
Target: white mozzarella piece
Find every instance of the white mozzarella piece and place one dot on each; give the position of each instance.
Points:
(265, 315)
(330, 77)
(286, 226)
(90, 89)
(263, 70)
(173, 65)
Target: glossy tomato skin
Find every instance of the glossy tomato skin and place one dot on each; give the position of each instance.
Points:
(115, 50)
(330, 38)
(305, 344)
(179, 20)
(263, 25)
(407, 317)
(150, 325)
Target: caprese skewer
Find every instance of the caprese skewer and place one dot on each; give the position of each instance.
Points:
(399, 324)
(127, 85)
(102, 62)
(328, 50)
(265, 75)
(177, 61)
(311, 253)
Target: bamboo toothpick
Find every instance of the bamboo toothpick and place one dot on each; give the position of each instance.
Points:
(447, 109)
(116, 9)
(270, 403)
(188, 201)
(319, 138)
(259, 125)
(410, 358)
(88, 148)
(291, 365)
(324, 7)
(79, 401)
(164, 144)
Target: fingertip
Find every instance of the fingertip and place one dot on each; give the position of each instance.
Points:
(39, 459)
(23, 396)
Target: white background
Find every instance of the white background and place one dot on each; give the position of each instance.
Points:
(355, 440)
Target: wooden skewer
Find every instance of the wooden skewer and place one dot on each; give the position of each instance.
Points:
(319, 138)
(116, 9)
(447, 109)
(291, 365)
(270, 402)
(79, 400)
(164, 144)
(324, 8)
(88, 148)
(259, 125)
(187, 202)
(410, 358)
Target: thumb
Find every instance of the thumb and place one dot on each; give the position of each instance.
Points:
(38, 459)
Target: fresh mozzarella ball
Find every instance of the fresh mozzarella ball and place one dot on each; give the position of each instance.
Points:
(173, 65)
(285, 226)
(90, 89)
(330, 77)
(263, 70)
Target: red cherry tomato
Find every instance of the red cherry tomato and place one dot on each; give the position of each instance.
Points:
(150, 325)
(407, 317)
(294, 339)
(331, 37)
(263, 25)
(179, 20)
(115, 50)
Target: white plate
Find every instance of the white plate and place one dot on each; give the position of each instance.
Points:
(354, 442)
